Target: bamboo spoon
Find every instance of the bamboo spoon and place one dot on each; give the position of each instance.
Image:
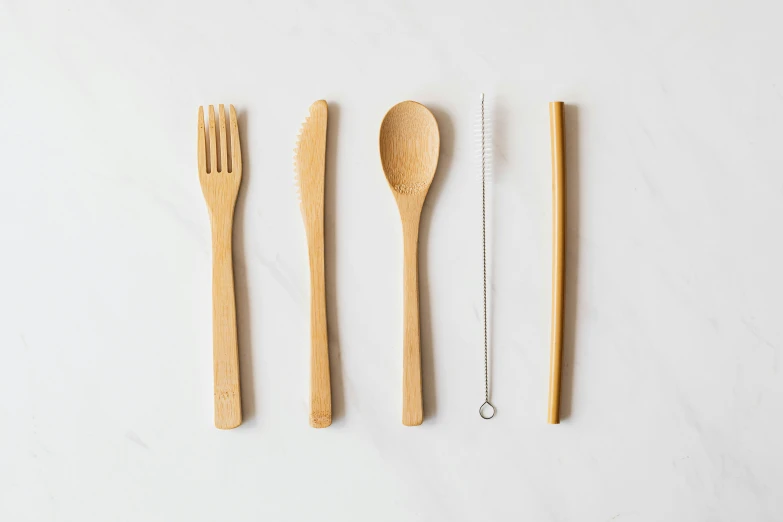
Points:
(410, 144)
(220, 185)
(558, 257)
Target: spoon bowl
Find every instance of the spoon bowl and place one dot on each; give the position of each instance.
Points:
(410, 144)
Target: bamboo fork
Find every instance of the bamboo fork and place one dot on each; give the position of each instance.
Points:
(220, 185)
(558, 257)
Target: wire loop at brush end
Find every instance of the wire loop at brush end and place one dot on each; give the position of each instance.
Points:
(487, 410)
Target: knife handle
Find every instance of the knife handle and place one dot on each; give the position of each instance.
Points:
(320, 385)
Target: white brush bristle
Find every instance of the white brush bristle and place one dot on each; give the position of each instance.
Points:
(483, 138)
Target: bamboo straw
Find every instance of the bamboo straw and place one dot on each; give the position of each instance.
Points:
(556, 123)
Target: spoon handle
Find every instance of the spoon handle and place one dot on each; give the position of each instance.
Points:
(412, 406)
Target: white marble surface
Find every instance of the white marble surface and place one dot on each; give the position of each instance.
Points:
(673, 384)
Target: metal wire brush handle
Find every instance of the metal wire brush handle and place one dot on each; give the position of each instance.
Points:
(486, 410)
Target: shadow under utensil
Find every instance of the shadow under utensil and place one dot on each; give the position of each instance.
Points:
(497, 121)
(330, 257)
(446, 130)
(244, 318)
(571, 116)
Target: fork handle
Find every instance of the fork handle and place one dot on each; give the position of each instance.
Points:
(228, 405)
(320, 385)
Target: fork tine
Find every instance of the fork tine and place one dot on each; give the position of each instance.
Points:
(236, 152)
(212, 141)
(223, 149)
(202, 144)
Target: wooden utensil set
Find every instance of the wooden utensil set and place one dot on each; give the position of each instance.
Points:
(409, 148)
